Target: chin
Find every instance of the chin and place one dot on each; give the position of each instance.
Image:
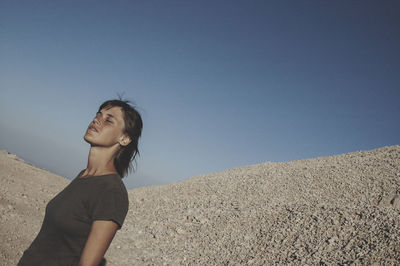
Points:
(87, 139)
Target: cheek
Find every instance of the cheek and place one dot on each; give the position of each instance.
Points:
(110, 135)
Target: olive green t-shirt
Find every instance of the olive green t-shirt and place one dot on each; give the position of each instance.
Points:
(69, 216)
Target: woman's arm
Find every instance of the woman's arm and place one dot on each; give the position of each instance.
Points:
(100, 237)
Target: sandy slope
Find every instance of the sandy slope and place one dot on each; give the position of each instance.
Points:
(340, 209)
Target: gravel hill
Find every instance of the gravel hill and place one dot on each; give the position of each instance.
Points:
(342, 209)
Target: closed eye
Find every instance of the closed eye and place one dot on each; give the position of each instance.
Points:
(108, 115)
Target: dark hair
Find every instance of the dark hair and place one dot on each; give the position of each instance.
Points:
(133, 128)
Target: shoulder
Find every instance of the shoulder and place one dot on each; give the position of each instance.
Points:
(113, 184)
(109, 182)
(108, 187)
(109, 200)
(109, 191)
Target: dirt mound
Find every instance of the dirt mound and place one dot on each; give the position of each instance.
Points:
(340, 209)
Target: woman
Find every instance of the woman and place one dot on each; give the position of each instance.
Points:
(81, 221)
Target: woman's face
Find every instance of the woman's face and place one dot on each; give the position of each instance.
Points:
(106, 129)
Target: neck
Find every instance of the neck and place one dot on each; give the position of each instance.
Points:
(100, 161)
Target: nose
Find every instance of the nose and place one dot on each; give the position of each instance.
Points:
(96, 120)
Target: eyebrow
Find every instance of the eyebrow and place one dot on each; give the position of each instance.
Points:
(108, 115)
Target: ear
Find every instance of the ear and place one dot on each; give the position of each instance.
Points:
(124, 140)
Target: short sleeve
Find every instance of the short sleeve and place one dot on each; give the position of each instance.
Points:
(110, 205)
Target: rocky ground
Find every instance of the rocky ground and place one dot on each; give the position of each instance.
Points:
(342, 209)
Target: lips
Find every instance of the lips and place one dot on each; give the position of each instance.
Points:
(93, 128)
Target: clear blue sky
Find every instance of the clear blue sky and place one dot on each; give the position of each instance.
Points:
(220, 84)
